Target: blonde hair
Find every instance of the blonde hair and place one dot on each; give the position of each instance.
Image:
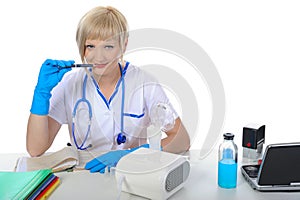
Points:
(101, 23)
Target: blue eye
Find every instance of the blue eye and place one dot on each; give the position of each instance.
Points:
(109, 47)
(89, 46)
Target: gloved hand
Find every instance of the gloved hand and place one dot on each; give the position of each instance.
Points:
(109, 159)
(50, 75)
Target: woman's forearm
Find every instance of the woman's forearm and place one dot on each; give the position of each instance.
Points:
(177, 140)
(38, 138)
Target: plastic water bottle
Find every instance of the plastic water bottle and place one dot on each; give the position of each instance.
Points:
(227, 165)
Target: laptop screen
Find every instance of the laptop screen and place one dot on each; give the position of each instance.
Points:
(281, 165)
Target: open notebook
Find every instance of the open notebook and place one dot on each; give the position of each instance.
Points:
(64, 159)
(279, 170)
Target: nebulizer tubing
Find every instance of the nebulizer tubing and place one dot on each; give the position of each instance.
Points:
(119, 181)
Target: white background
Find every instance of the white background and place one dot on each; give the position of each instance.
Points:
(254, 45)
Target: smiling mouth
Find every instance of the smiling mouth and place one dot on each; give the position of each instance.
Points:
(99, 65)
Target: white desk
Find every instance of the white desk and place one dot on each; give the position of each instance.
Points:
(201, 184)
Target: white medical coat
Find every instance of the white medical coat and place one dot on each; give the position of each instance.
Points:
(141, 92)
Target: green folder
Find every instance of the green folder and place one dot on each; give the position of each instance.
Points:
(18, 185)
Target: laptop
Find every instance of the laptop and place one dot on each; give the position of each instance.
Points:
(278, 171)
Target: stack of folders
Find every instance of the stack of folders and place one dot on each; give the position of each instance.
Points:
(37, 184)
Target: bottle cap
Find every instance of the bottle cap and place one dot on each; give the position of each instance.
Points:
(228, 136)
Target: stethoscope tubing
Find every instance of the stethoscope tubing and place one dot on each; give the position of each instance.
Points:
(82, 100)
(121, 137)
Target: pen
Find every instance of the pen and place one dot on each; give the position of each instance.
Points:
(79, 65)
(82, 65)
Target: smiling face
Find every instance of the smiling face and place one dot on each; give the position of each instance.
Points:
(104, 55)
(101, 36)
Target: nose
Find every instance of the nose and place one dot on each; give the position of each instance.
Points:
(96, 56)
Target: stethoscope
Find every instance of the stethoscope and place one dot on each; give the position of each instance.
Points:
(121, 137)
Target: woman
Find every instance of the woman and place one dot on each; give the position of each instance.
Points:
(106, 106)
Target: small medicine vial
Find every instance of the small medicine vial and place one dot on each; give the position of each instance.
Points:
(227, 162)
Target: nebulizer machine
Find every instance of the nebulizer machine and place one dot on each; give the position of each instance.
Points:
(153, 173)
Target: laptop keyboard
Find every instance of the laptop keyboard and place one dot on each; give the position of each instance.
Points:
(251, 170)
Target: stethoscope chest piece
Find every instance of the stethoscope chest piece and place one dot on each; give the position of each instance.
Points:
(121, 138)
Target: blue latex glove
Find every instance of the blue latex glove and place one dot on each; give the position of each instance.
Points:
(50, 75)
(109, 160)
